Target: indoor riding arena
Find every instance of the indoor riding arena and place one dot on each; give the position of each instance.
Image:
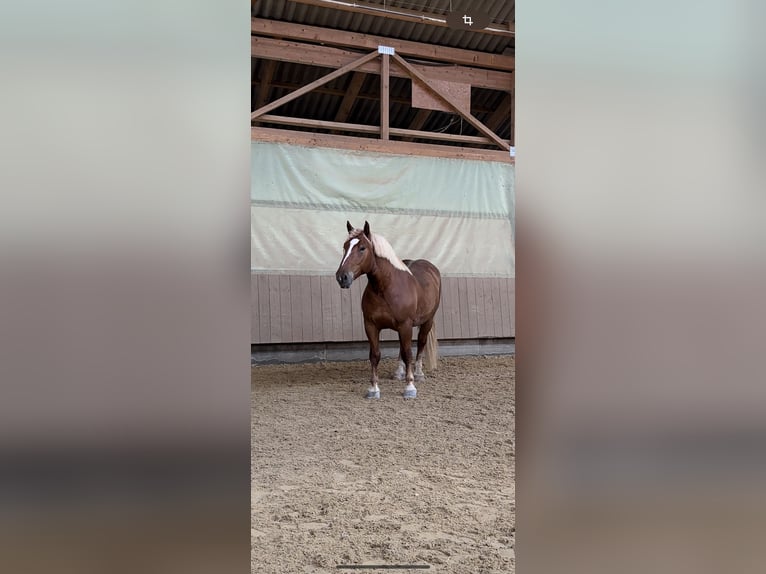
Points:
(381, 113)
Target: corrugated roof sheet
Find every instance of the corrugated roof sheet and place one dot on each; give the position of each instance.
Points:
(501, 11)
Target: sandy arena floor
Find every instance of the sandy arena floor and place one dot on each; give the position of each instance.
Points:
(337, 479)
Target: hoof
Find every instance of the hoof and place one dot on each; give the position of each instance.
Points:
(372, 395)
(410, 393)
(398, 376)
(420, 378)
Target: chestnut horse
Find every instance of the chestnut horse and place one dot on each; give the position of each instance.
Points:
(400, 295)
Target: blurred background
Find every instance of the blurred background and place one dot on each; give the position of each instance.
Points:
(124, 356)
(640, 264)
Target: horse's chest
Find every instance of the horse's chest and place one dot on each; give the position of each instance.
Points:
(388, 311)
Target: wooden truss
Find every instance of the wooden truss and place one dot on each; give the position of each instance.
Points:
(482, 70)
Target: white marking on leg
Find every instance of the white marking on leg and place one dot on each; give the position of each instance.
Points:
(400, 371)
(350, 247)
(410, 387)
(373, 392)
(419, 368)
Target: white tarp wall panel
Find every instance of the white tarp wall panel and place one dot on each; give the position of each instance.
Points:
(456, 213)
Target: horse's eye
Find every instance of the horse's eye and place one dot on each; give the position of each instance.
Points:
(362, 248)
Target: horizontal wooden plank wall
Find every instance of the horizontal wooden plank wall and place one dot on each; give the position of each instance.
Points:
(313, 309)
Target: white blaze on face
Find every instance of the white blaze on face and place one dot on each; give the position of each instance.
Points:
(350, 247)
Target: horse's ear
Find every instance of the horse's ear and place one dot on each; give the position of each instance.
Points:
(367, 229)
(349, 226)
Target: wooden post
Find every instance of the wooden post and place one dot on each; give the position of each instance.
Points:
(513, 116)
(384, 95)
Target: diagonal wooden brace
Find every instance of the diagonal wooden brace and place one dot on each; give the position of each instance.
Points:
(416, 75)
(315, 84)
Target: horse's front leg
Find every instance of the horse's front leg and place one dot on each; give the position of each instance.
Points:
(405, 354)
(373, 336)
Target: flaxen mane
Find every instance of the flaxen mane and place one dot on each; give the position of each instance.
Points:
(383, 249)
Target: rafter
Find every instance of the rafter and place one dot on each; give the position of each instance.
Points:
(325, 56)
(501, 114)
(350, 96)
(419, 121)
(267, 73)
(347, 39)
(404, 14)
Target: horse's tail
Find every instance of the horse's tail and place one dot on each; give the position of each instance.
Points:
(431, 358)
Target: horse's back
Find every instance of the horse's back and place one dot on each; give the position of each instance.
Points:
(424, 271)
(430, 280)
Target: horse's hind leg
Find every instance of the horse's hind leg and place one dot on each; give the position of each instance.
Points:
(425, 328)
(405, 354)
(401, 371)
(373, 336)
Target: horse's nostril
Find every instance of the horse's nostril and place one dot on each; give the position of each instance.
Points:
(346, 280)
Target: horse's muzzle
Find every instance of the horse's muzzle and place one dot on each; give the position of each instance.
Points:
(345, 279)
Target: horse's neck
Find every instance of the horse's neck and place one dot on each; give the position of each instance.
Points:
(381, 276)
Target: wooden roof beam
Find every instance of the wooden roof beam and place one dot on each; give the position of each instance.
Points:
(325, 56)
(501, 115)
(419, 121)
(497, 28)
(367, 129)
(350, 96)
(363, 95)
(347, 39)
(259, 133)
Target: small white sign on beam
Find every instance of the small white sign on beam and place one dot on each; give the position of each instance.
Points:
(386, 50)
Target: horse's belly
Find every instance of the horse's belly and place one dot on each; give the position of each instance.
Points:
(385, 318)
(429, 289)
